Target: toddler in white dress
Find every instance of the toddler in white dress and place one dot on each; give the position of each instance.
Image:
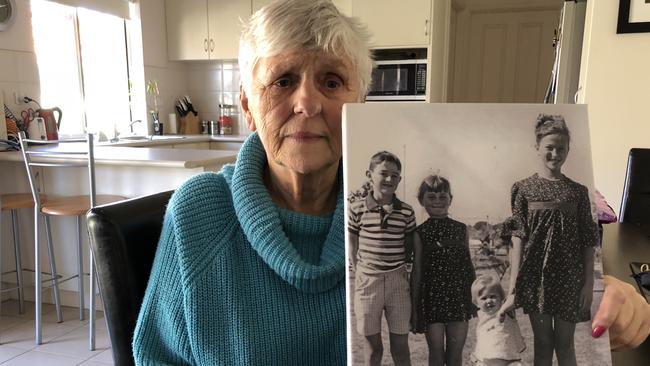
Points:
(498, 342)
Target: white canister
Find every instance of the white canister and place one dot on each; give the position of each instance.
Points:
(172, 124)
(36, 129)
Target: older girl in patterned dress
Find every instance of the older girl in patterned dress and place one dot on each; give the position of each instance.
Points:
(552, 255)
(442, 276)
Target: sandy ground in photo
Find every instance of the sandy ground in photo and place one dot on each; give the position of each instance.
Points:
(589, 351)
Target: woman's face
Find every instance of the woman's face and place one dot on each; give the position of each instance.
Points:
(436, 203)
(553, 150)
(295, 106)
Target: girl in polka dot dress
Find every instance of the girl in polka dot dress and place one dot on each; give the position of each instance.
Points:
(552, 256)
(442, 276)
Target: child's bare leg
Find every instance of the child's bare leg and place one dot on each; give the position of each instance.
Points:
(374, 350)
(544, 342)
(436, 342)
(566, 352)
(456, 333)
(399, 349)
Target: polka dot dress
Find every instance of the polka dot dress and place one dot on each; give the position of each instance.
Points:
(447, 272)
(554, 219)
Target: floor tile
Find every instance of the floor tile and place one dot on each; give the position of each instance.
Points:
(104, 357)
(32, 358)
(22, 335)
(8, 352)
(94, 363)
(75, 344)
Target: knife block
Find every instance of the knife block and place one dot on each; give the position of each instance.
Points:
(190, 125)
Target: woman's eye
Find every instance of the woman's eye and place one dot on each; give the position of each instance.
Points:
(282, 83)
(333, 83)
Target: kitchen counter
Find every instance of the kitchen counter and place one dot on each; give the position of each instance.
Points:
(142, 156)
(173, 139)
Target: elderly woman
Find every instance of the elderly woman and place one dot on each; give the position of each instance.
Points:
(250, 268)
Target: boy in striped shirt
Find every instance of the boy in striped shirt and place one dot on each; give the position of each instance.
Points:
(381, 230)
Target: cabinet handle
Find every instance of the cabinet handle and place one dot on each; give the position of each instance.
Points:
(211, 44)
(205, 44)
(426, 27)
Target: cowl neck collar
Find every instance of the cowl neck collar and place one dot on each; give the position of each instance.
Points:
(261, 223)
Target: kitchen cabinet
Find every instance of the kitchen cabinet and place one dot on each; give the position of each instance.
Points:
(204, 29)
(257, 4)
(225, 145)
(193, 146)
(403, 24)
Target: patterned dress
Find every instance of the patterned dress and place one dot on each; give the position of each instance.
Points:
(554, 220)
(447, 272)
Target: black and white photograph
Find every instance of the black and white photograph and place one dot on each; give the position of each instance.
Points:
(472, 235)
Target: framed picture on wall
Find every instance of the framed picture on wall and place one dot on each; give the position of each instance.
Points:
(633, 16)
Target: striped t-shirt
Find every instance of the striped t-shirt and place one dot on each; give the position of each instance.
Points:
(381, 231)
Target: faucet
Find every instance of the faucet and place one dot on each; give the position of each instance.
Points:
(132, 123)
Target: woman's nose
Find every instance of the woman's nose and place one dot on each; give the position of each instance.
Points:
(307, 99)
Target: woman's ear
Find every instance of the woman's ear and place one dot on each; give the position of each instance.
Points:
(243, 100)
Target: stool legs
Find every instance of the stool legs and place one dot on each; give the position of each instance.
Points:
(38, 336)
(55, 274)
(80, 269)
(19, 265)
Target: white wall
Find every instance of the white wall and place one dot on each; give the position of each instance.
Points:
(615, 83)
(18, 69)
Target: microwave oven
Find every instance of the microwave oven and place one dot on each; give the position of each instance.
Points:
(403, 80)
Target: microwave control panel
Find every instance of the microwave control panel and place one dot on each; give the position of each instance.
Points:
(420, 78)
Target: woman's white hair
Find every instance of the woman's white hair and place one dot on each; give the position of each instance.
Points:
(289, 25)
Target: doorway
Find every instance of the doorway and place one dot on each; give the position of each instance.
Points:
(501, 51)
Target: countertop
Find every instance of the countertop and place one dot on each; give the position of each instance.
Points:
(173, 140)
(137, 156)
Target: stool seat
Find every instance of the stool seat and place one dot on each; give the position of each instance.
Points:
(74, 205)
(14, 201)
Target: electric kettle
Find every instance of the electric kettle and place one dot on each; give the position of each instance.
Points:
(51, 124)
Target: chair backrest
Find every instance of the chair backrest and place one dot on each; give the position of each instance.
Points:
(124, 237)
(58, 153)
(635, 205)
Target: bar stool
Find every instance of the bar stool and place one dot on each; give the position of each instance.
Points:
(49, 156)
(13, 202)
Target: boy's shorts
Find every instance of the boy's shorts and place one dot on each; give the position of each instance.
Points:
(376, 293)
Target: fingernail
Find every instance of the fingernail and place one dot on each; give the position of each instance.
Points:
(598, 331)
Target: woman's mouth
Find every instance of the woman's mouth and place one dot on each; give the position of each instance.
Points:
(304, 136)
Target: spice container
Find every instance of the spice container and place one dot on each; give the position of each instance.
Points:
(225, 119)
(214, 128)
(205, 127)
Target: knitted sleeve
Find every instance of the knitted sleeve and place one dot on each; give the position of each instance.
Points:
(161, 336)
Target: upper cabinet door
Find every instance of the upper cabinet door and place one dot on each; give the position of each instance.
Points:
(258, 4)
(395, 24)
(225, 17)
(187, 29)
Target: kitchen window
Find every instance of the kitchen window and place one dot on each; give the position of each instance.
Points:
(84, 67)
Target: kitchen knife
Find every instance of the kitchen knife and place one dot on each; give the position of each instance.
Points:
(190, 107)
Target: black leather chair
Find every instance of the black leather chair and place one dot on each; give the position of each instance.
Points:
(124, 237)
(635, 205)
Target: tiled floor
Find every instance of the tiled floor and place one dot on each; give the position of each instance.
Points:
(64, 343)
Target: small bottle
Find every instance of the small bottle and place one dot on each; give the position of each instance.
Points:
(225, 121)
(157, 125)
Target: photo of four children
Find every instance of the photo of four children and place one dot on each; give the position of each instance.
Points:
(422, 255)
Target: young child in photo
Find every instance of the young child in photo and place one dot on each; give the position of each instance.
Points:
(552, 255)
(442, 276)
(498, 341)
(381, 232)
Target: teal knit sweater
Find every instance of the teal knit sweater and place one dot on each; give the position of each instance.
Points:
(239, 281)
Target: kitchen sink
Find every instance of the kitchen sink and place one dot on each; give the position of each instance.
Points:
(151, 138)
